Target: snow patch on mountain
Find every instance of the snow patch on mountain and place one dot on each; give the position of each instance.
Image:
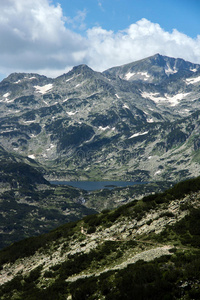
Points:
(173, 100)
(25, 78)
(32, 156)
(169, 70)
(104, 128)
(126, 106)
(30, 78)
(6, 95)
(150, 120)
(51, 147)
(129, 75)
(43, 89)
(139, 75)
(73, 77)
(192, 80)
(45, 102)
(67, 80)
(153, 96)
(6, 99)
(194, 70)
(70, 113)
(138, 134)
(157, 172)
(145, 75)
(29, 122)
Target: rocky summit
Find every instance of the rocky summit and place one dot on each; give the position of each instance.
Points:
(137, 122)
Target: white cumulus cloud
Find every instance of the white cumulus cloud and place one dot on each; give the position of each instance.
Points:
(34, 37)
(140, 40)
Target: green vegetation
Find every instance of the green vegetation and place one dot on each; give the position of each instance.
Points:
(163, 278)
(178, 191)
(33, 212)
(19, 172)
(172, 276)
(22, 212)
(73, 135)
(169, 277)
(176, 136)
(28, 246)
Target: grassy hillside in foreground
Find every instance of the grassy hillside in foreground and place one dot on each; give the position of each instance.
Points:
(146, 249)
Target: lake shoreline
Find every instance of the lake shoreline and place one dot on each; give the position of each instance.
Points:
(97, 185)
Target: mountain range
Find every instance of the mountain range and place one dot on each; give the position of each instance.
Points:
(137, 122)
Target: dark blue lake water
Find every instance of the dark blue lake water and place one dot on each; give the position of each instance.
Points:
(97, 185)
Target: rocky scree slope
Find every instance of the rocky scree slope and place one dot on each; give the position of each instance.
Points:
(148, 248)
(136, 122)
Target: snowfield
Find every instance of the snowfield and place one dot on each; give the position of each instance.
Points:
(192, 80)
(170, 71)
(145, 75)
(173, 100)
(129, 75)
(43, 89)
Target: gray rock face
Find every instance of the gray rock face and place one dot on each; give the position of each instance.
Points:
(135, 122)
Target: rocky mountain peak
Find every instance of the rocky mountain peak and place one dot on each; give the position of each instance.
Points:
(77, 72)
(82, 69)
(153, 69)
(19, 77)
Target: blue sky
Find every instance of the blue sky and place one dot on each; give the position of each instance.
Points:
(184, 15)
(51, 36)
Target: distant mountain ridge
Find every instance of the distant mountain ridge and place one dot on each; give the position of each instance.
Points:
(137, 122)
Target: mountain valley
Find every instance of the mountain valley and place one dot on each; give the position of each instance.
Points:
(30, 205)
